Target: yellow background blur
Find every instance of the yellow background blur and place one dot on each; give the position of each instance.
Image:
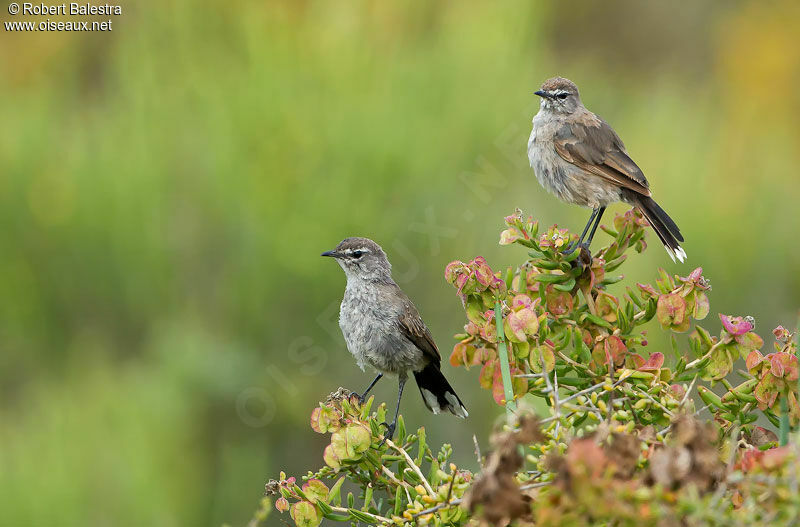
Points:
(166, 188)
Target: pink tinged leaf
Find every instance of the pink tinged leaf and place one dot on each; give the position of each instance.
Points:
(459, 355)
(671, 310)
(520, 301)
(454, 269)
(498, 392)
(487, 373)
(748, 342)
(539, 354)
(754, 358)
(460, 281)
(489, 332)
(325, 419)
(484, 276)
(654, 362)
(637, 361)
(515, 327)
(794, 407)
(735, 325)
(282, 504)
(559, 303)
(330, 457)
(350, 442)
(782, 334)
(648, 291)
(783, 365)
(305, 514)
(615, 350)
(701, 305)
(791, 372)
(518, 386)
(775, 457)
(315, 421)
(678, 391)
(509, 236)
(315, 490)
(766, 391)
(696, 275)
(483, 355)
(720, 365)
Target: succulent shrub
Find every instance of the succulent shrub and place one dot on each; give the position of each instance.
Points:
(625, 434)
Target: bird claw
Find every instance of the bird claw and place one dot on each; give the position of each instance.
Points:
(584, 258)
(389, 431)
(575, 245)
(359, 398)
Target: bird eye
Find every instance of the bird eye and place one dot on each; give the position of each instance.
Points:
(562, 96)
(357, 254)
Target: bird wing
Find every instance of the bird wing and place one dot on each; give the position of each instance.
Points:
(415, 330)
(594, 146)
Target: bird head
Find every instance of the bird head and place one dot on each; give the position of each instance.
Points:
(559, 95)
(361, 259)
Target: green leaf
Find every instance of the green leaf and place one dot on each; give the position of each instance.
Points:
(335, 494)
(551, 278)
(305, 514)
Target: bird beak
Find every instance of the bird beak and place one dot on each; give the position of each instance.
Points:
(332, 254)
(542, 93)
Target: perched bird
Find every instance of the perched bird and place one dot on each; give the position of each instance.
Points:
(383, 329)
(578, 157)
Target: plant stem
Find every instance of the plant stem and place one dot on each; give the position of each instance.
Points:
(784, 429)
(505, 369)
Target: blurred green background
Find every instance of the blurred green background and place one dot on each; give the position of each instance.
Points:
(166, 322)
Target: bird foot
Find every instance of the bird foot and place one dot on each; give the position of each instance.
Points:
(389, 431)
(571, 247)
(359, 398)
(584, 258)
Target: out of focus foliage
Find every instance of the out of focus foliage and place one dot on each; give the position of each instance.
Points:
(166, 189)
(621, 443)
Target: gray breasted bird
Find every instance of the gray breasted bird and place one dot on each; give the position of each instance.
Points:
(578, 157)
(383, 329)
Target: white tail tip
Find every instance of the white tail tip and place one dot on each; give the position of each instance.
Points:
(678, 253)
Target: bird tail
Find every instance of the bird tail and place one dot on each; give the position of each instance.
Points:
(437, 392)
(665, 228)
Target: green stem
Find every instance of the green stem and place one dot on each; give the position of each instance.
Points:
(784, 429)
(505, 369)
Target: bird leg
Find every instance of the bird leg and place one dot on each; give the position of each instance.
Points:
(390, 427)
(583, 234)
(363, 396)
(600, 212)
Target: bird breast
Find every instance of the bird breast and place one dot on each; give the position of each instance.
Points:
(558, 176)
(369, 324)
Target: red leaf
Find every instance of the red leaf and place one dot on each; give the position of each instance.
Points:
(735, 325)
(754, 358)
(654, 362)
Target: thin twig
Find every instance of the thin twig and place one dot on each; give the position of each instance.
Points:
(590, 389)
(477, 450)
(689, 391)
(412, 465)
(556, 409)
(711, 350)
(535, 485)
(654, 401)
(438, 507)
